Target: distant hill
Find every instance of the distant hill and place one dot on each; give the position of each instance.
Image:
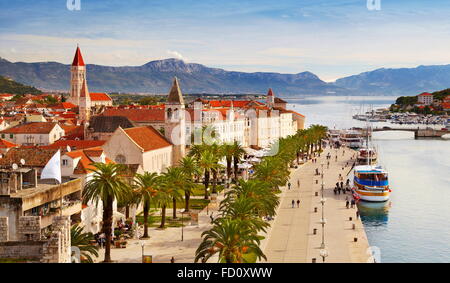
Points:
(10, 86)
(403, 81)
(156, 77)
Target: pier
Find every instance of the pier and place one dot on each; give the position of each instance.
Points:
(293, 238)
(418, 132)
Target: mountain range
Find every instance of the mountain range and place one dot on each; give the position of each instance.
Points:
(156, 77)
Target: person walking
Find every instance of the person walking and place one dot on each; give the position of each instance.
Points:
(339, 190)
(347, 203)
(298, 183)
(289, 186)
(293, 203)
(342, 185)
(298, 203)
(357, 214)
(353, 203)
(328, 165)
(172, 260)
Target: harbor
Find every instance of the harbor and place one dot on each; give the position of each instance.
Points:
(296, 234)
(409, 226)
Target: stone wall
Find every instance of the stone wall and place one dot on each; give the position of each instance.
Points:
(56, 249)
(29, 228)
(4, 232)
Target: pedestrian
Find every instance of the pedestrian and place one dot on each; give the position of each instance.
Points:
(357, 214)
(298, 203)
(347, 203)
(337, 184)
(353, 203)
(328, 165)
(342, 185)
(335, 190)
(317, 171)
(339, 190)
(289, 186)
(172, 260)
(293, 203)
(298, 183)
(347, 182)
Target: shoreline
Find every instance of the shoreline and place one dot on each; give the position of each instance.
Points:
(291, 238)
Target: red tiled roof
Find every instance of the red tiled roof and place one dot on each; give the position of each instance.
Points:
(7, 144)
(227, 103)
(78, 59)
(137, 115)
(96, 96)
(425, 94)
(78, 144)
(31, 128)
(33, 156)
(445, 105)
(147, 138)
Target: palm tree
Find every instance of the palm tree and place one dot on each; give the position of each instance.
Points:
(228, 153)
(238, 153)
(145, 188)
(207, 162)
(82, 241)
(165, 194)
(177, 181)
(231, 240)
(106, 185)
(190, 168)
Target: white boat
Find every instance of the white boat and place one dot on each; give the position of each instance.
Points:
(371, 183)
(351, 139)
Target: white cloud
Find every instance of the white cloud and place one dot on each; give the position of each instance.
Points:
(177, 55)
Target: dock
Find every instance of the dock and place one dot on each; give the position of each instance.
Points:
(291, 239)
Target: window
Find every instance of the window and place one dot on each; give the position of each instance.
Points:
(121, 159)
(65, 162)
(3, 136)
(11, 136)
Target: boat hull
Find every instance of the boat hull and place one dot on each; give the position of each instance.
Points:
(372, 196)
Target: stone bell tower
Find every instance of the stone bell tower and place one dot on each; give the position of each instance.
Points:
(175, 124)
(78, 77)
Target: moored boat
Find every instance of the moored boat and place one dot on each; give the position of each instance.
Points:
(367, 156)
(370, 183)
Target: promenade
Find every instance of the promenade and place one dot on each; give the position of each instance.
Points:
(291, 238)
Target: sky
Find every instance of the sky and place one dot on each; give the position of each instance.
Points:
(333, 38)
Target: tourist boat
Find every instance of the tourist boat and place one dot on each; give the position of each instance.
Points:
(351, 139)
(370, 183)
(367, 156)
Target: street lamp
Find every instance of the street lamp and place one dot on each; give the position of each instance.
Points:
(323, 221)
(323, 253)
(182, 225)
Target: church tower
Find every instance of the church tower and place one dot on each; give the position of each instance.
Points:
(175, 125)
(78, 77)
(270, 100)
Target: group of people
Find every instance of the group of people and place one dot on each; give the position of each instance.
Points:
(350, 203)
(340, 187)
(298, 203)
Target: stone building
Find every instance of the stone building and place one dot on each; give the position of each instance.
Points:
(31, 245)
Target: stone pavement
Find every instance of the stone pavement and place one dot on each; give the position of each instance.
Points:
(291, 238)
(165, 244)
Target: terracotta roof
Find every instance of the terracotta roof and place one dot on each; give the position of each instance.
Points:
(63, 105)
(279, 100)
(96, 96)
(270, 93)
(296, 113)
(147, 138)
(7, 144)
(73, 131)
(228, 103)
(445, 105)
(108, 124)
(33, 156)
(84, 165)
(31, 128)
(425, 94)
(76, 144)
(78, 59)
(137, 115)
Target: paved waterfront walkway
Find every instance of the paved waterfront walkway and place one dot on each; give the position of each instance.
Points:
(165, 244)
(291, 237)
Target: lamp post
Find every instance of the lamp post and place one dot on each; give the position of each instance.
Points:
(142, 245)
(182, 225)
(323, 254)
(323, 221)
